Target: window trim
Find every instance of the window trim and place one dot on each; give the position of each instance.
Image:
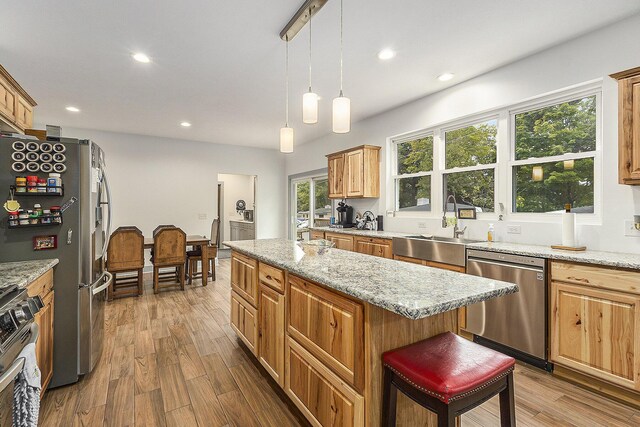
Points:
(505, 146)
(395, 177)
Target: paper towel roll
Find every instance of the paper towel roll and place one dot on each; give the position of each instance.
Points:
(569, 229)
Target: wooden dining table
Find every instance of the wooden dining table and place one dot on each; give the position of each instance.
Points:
(192, 240)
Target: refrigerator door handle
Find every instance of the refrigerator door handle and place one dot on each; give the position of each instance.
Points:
(108, 278)
(108, 203)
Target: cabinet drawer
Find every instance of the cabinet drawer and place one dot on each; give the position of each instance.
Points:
(596, 277)
(321, 396)
(316, 235)
(244, 277)
(372, 246)
(42, 285)
(342, 241)
(244, 321)
(329, 326)
(409, 259)
(271, 276)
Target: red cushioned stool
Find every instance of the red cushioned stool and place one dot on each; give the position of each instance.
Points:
(448, 375)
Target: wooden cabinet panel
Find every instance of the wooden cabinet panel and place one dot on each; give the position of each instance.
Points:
(355, 173)
(336, 175)
(271, 332)
(42, 285)
(597, 277)
(342, 241)
(7, 100)
(409, 259)
(596, 332)
(372, 246)
(628, 126)
(244, 277)
(24, 113)
(271, 276)
(444, 266)
(244, 321)
(321, 396)
(316, 235)
(44, 345)
(329, 326)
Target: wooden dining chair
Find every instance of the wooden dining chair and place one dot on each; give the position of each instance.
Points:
(125, 255)
(212, 252)
(165, 275)
(169, 250)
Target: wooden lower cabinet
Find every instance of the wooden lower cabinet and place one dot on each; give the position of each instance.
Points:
(271, 332)
(410, 260)
(244, 277)
(597, 332)
(316, 235)
(342, 241)
(244, 321)
(372, 246)
(321, 395)
(43, 287)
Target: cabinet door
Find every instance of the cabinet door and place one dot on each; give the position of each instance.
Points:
(629, 130)
(24, 113)
(355, 173)
(329, 326)
(7, 101)
(244, 321)
(596, 332)
(409, 259)
(316, 235)
(271, 332)
(376, 247)
(342, 241)
(244, 277)
(336, 176)
(321, 396)
(44, 345)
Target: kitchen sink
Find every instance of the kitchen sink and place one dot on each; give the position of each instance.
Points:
(447, 250)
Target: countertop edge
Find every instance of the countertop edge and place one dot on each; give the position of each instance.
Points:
(33, 274)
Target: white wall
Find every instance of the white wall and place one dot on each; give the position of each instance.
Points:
(593, 56)
(167, 181)
(236, 187)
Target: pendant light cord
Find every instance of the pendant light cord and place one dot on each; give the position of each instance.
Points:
(309, 49)
(286, 122)
(341, 47)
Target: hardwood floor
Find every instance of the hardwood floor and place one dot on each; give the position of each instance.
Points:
(172, 360)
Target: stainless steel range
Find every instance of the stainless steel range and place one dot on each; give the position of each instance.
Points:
(17, 329)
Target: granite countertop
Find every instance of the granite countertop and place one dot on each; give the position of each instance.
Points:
(366, 233)
(24, 272)
(612, 259)
(410, 290)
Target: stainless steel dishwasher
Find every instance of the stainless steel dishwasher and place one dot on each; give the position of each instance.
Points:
(514, 324)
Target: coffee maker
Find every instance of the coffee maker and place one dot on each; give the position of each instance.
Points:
(345, 215)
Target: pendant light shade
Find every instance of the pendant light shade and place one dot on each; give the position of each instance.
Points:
(286, 140)
(341, 114)
(310, 108)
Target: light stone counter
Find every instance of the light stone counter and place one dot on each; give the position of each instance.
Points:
(24, 272)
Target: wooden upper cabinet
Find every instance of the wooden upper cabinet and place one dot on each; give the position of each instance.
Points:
(628, 126)
(355, 173)
(16, 106)
(595, 322)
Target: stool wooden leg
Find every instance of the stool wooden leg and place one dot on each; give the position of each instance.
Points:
(181, 269)
(389, 399)
(446, 417)
(507, 404)
(213, 268)
(155, 279)
(140, 283)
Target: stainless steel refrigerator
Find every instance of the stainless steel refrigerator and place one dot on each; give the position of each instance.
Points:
(80, 279)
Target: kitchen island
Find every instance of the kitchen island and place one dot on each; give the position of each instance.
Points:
(319, 324)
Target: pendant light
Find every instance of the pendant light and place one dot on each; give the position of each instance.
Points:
(310, 99)
(286, 133)
(341, 104)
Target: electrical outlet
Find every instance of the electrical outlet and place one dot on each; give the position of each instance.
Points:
(630, 230)
(514, 229)
(202, 216)
(422, 224)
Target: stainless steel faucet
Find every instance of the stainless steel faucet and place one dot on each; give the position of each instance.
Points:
(457, 233)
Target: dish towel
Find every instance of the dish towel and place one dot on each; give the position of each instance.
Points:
(26, 391)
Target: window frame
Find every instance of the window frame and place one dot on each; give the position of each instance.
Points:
(505, 158)
(547, 101)
(311, 179)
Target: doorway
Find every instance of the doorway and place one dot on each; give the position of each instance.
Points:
(310, 205)
(236, 206)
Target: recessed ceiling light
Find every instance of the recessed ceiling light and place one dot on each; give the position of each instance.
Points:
(185, 124)
(386, 54)
(73, 109)
(445, 76)
(141, 57)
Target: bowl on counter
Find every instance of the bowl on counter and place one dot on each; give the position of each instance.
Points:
(316, 247)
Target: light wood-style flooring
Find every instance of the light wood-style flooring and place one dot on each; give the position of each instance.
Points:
(172, 360)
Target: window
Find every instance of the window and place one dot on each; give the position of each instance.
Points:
(470, 163)
(414, 167)
(310, 205)
(554, 154)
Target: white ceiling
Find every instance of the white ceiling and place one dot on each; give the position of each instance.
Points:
(220, 65)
